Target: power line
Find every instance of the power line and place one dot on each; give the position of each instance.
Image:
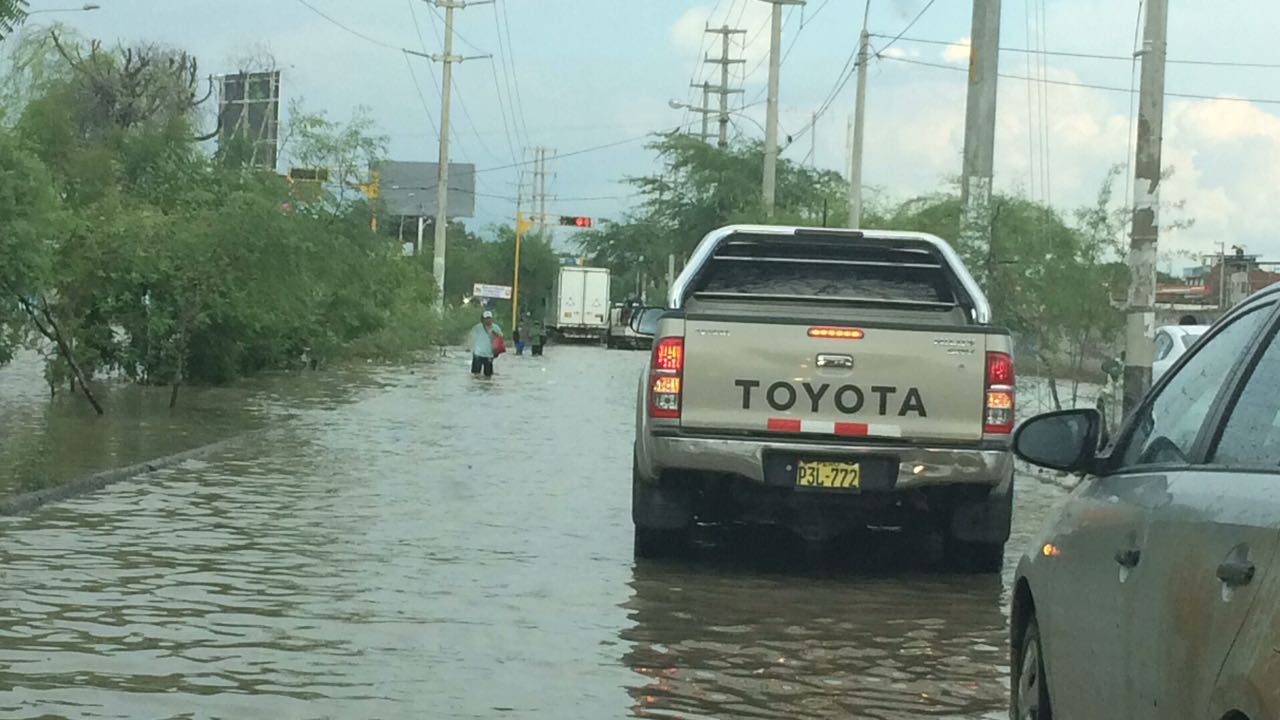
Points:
(436, 12)
(907, 29)
(1090, 86)
(418, 87)
(583, 151)
(506, 79)
(515, 78)
(804, 22)
(851, 66)
(502, 107)
(1095, 56)
(349, 29)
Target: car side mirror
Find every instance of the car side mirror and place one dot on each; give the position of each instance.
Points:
(1066, 440)
(638, 322)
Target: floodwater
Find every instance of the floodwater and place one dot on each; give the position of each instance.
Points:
(433, 546)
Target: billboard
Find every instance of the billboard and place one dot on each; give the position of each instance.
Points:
(409, 188)
(249, 112)
(497, 292)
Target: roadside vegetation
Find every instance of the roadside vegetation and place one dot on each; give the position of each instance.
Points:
(1056, 280)
(130, 249)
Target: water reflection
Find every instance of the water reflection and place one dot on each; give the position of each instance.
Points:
(711, 642)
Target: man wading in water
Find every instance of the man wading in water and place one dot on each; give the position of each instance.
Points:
(486, 344)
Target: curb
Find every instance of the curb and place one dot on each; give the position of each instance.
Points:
(27, 503)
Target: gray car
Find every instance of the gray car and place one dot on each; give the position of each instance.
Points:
(1152, 593)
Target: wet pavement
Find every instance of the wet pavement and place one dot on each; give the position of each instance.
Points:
(422, 544)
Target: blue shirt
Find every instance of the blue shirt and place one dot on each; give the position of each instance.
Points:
(482, 340)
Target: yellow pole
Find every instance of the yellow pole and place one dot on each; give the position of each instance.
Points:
(521, 226)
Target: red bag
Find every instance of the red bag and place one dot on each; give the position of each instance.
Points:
(499, 345)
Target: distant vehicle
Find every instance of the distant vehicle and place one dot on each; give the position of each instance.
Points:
(581, 304)
(631, 326)
(1152, 592)
(1172, 342)
(827, 380)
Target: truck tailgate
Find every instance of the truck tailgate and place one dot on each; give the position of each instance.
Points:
(762, 377)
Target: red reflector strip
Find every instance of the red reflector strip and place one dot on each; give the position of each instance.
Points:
(784, 425)
(848, 428)
(826, 427)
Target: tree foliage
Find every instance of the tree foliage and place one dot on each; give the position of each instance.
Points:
(133, 253)
(702, 188)
(1055, 280)
(12, 12)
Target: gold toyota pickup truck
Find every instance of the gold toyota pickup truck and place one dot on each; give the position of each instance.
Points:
(826, 380)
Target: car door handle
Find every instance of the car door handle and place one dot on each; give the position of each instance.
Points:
(1236, 572)
(1128, 557)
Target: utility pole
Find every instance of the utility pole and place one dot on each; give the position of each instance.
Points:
(724, 61)
(442, 175)
(1143, 237)
(540, 199)
(980, 128)
(771, 116)
(859, 117)
(813, 140)
(704, 109)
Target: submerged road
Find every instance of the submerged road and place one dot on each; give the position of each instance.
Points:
(439, 547)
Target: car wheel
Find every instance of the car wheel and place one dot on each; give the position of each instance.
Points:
(1030, 688)
(974, 557)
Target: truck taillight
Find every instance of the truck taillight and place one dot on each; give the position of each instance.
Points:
(667, 378)
(998, 411)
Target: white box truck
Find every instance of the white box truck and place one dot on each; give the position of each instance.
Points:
(581, 303)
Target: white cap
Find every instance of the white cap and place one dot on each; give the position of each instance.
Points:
(488, 315)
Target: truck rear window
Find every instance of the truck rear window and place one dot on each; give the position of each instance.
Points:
(827, 271)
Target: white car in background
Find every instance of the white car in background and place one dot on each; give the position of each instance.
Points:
(1172, 342)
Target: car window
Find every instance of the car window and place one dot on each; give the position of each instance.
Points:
(1190, 339)
(1167, 427)
(1163, 345)
(1251, 437)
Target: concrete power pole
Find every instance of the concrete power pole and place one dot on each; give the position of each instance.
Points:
(724, 61)
(704, 109)
(539, 203)
(442, 175)
(771, 114)
(859, 115)
(540, 193)
(980, 128)
(1144, 234)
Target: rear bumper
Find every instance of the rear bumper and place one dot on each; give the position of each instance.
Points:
(918, 466)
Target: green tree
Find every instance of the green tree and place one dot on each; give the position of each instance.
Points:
(705, 187)
(12, 13)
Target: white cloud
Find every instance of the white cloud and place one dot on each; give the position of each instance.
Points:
(691, 39)
(957, 52)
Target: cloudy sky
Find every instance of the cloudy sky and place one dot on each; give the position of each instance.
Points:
(590, 73)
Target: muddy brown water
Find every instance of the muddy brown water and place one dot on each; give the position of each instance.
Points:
(419, 544)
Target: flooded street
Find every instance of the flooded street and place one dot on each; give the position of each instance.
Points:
(435, 546)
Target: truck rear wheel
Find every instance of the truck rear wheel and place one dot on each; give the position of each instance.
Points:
(662, 515)
(977, 558)
(653, 544)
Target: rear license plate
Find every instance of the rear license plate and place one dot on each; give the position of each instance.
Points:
(835, 475)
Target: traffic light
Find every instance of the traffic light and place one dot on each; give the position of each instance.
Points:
(575, 221)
